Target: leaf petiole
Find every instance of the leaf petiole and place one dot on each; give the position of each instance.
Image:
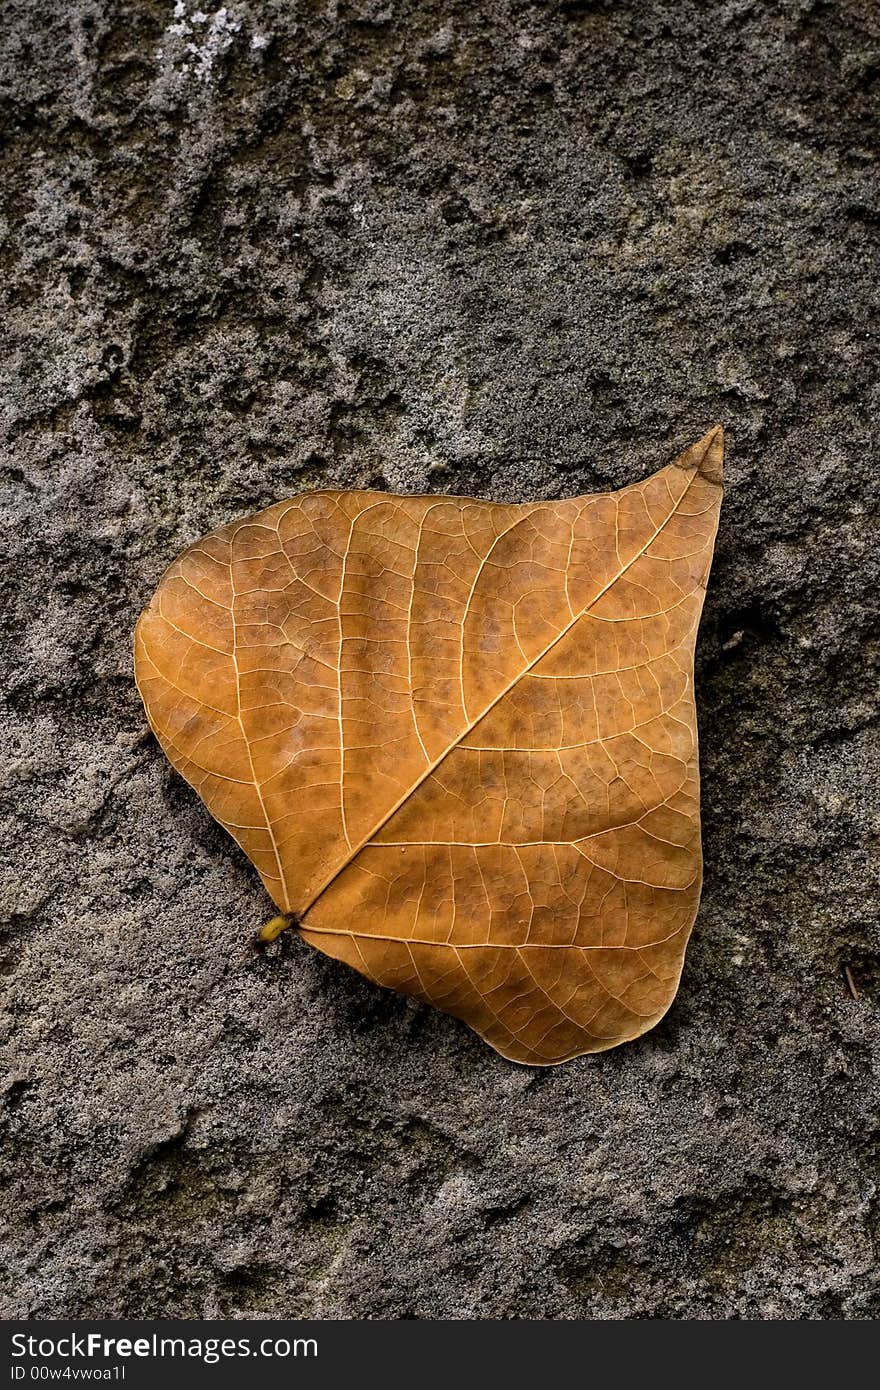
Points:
(274, 927)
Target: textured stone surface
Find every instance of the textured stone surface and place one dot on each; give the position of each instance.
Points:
(506, 248)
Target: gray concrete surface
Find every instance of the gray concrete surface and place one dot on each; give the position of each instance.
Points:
(503, 247)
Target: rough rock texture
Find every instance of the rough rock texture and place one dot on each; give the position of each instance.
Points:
(505, 247)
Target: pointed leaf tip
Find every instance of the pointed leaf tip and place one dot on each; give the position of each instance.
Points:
(705, 459)
(712, 463)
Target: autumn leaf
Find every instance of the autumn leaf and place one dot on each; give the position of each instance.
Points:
(458, 738)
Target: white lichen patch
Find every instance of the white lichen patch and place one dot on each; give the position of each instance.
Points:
(195, 42)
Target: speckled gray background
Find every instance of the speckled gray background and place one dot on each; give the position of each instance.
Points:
(504, 247)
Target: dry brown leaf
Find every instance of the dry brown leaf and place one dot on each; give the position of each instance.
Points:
(458, 738)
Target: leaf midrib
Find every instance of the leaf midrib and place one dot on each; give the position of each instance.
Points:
(431, 769)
